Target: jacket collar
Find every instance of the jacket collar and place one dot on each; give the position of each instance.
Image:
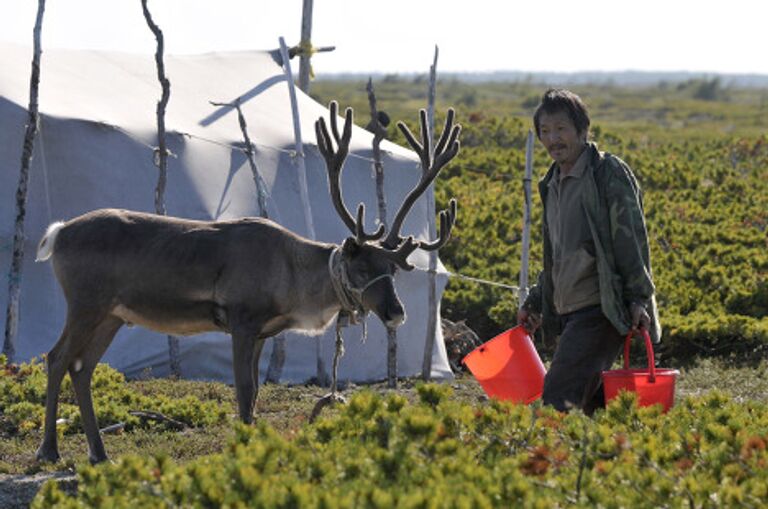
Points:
(593, 160)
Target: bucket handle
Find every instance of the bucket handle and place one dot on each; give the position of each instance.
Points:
(648, 350)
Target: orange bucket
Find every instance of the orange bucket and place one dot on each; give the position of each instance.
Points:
(652, 386)
(508, 367)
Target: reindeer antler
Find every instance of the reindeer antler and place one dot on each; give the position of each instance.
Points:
(431, 164)
(447, 220)
(334, 163)
(400, 255)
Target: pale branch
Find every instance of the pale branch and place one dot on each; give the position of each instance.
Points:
(261, 191)
(379, 132)
(305, 67)
(17, 257)
(378, 126)
(277, 359)
(147, 416)
(426, 367)
(161, 154)
(161, 157)
(157, 416)
(113, 429)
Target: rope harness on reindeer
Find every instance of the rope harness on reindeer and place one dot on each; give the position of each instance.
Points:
(351, 299)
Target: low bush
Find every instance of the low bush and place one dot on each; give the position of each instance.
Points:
(22, 402)
(381, 451)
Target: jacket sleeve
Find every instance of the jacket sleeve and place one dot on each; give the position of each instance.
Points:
(629, 234)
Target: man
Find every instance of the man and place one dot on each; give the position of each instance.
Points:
(596, 285)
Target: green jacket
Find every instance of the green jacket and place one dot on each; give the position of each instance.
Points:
(613, 207)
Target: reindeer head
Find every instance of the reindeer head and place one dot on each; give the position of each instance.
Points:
(368, 261)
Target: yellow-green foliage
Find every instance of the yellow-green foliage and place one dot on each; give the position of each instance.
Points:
(22, 400)
(702, 161)
(383, 452)
(707, 212)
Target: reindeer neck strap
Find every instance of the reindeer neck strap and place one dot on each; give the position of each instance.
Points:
(352, 310)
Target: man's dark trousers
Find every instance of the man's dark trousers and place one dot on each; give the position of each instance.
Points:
(588, 344)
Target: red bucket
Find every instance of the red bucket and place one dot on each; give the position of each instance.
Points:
(652, 386)
(508, 367)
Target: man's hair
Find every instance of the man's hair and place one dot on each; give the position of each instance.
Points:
(556, 100)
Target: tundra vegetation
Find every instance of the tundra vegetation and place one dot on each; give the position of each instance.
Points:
(701, 159)
(700, 152)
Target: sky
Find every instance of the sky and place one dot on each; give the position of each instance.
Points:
(399, 36)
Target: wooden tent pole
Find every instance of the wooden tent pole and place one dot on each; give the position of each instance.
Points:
(379, 132)
(299, 144)
(305, 45)
(258, 181)
(161, 157)
(277, 359)
(161, 152)
(17, 260)
(429, 346)
(322, 375)
(522, 292)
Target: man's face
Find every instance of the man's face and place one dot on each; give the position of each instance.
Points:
(559, 136)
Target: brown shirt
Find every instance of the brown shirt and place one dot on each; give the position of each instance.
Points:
(574, 269)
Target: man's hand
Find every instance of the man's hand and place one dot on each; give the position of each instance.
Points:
(529, 319)
(640, 318)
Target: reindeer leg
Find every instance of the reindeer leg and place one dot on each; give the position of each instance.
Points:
(246, 351)
(57, 361)
(81, 372)
(259, 344)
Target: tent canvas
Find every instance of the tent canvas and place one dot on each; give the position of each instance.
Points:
(95, 149)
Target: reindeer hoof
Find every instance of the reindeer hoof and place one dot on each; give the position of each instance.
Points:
(327, 400)
(95, 460)
(44, 455)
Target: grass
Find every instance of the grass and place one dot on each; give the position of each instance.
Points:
(287, 409)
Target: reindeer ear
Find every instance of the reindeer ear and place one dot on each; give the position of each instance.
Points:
(350, 247)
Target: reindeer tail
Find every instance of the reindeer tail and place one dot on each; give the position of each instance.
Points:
(45, 248)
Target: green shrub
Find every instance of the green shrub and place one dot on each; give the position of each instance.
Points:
(376, 452)
(703, 167)
(22, 400)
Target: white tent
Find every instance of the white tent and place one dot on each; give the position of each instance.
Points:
(94, 150)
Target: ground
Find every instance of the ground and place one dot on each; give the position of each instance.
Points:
(287, 408)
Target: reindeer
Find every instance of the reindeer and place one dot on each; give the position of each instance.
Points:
(249, 277)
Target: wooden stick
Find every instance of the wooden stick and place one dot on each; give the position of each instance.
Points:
(379, 132)
(157, 416)
(299, 144)
(522, 292)
(17, 260)
(322, 375)
(113, 429)
(161, 153)
(161, 158)
(426, 366)
(306, 36)
(261, 190)
(146, 415)
(277, 359)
